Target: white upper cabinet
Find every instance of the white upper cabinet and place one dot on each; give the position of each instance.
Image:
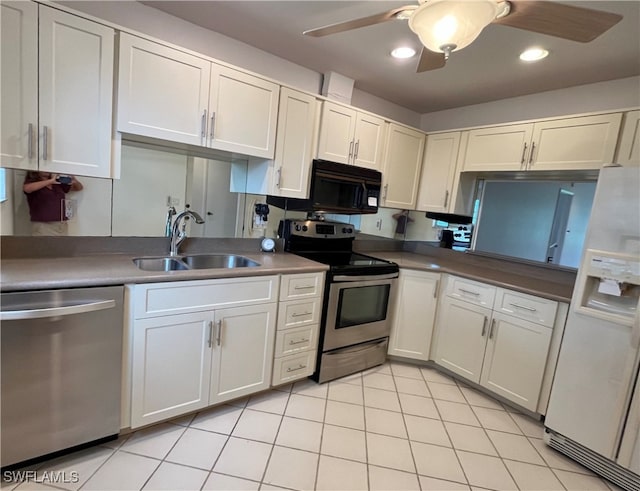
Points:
(575, 143)
(243, 111)
(171, 95)
(628, 153)
(351, 137)
(578, 143)
(162, 92)
(19, 79)
(56, 118)
(502, 148)
(294, 144)
(401, 170)
(438, 172)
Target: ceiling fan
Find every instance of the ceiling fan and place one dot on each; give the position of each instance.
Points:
(445, 26)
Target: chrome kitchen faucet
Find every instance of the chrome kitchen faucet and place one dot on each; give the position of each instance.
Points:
(178, 235)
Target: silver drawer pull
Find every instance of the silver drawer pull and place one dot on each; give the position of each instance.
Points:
(303, 287)
(484, 326)
(469, 292)
(300, 367)
(524, 307)
(300, 315)
(291, 343)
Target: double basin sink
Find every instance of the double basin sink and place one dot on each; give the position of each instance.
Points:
(196, 261)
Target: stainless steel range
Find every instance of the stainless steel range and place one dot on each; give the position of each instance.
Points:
(359, 291)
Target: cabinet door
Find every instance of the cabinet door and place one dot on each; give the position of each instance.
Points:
(243, 351)
(628, 153)
(515, 360)
(414, 314)
(76, 91)
(171, 366)
(576, 143)
(438, 171)
(462, 330)
(243, 113)
(337, 127)
(499, 148)
(294, 144)
(162, 92)
(370, 136)
(402, 162)
(19, 85)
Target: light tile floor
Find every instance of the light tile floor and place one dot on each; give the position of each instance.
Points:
(395, 427)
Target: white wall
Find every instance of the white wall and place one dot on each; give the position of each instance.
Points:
(602, 96)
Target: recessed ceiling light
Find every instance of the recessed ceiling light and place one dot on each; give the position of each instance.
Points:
(404, 52)
(534, 54)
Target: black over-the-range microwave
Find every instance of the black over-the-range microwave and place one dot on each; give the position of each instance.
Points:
(337, 188)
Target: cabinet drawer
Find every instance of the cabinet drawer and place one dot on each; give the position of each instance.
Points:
(296, 340)
(296, 286)
(527, 307)
(192, 296)
(298, 313)
(293, 367)
(471, 291)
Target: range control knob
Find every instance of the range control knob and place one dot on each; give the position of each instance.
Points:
(305, 228)
(298, 227)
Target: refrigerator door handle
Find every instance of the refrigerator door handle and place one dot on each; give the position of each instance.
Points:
(635, 328)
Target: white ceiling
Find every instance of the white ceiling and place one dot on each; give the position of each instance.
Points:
(487, 70)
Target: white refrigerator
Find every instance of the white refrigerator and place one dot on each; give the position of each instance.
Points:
(594, 408)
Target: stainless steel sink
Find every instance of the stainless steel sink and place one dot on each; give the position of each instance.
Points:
(196, 261)
(212, 261)
(160, 264)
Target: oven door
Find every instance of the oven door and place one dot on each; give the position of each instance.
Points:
(358, 309)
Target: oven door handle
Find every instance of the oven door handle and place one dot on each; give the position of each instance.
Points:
(365, 277)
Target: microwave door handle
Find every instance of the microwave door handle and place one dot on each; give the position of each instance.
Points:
(363, 196)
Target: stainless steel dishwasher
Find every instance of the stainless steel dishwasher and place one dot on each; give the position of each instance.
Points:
(61, 361)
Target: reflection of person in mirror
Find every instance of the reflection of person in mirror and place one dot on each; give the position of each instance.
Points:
(46, 196)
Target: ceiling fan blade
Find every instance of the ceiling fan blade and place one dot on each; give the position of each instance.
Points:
(559, 20)
(430, 61)
(356, 23)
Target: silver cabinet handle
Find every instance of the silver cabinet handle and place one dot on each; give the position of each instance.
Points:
(493, 325)
(476, 294)
(355, 156)
(210, 333)
(300, 315)
(300, 367)
(524, 307)
(484, 326)
(45, 141)
(446, 198)
(30, 140)
(203, 124)
(350, 150)
(523, 159)
(533, 147)
(219, 333)
(279, 172)
(435, 290)
(213, 121)
(306, 287)
(386, 189)
(292, 343)
(83, 308)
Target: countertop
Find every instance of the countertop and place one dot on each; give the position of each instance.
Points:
(117, 269)
(559, 290)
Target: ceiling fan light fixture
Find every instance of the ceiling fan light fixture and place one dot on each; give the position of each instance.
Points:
(441, 24)
(403, 52)
(534, 54)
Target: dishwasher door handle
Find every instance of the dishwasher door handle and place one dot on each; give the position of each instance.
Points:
(82, 308)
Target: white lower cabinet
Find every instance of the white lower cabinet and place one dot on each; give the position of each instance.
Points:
(219, 349)
(506, 354)
(414, 314)
(298, 326)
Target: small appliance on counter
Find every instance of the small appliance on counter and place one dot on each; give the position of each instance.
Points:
(359, 291)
